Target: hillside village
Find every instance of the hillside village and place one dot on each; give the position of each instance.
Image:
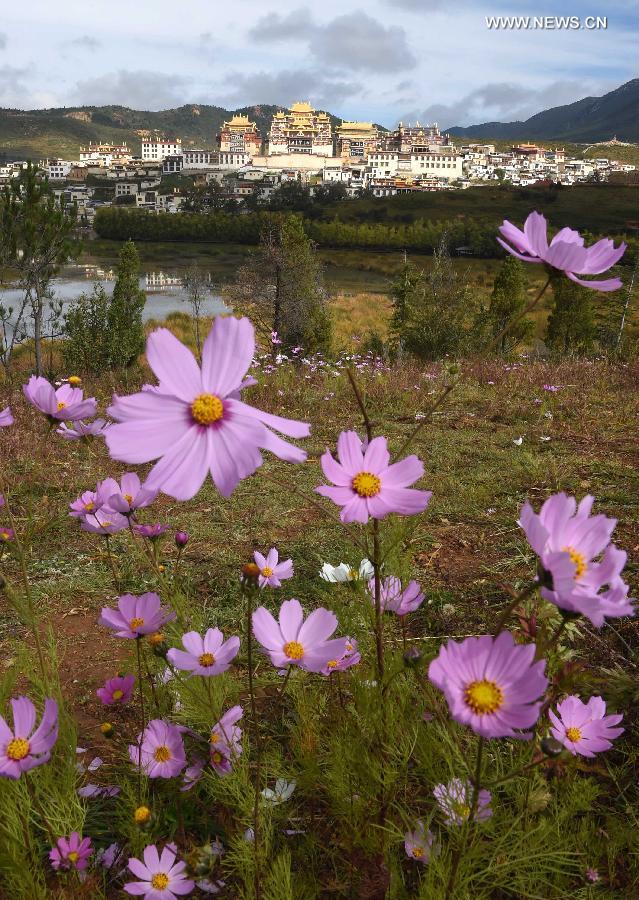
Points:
(303, 145)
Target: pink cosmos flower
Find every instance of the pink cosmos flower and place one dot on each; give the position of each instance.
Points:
(192, 774)
(295, 642)
(86, 503)
(6, 534)
(568, 541)
(136, 615)
(394, 599)
(23, 748)
(161, 877)
(71, 853)
(566, 252)
(116, 690)
(98, 790)
(196, 425)
(103, 521)
(152, 532)
(367, 485)
(418, 843)
(491, 684)
(78, 431)
(62, 404)
(208, 655)
(584, 728)
(127, 496)
(160, 750)
(225, 741)
(6, 417)
(455, 798)
(272, 572)
(350, 657)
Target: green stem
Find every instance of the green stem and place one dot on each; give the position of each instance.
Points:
(142, 718)
(517, 599)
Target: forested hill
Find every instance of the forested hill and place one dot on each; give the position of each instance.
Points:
(38, 133)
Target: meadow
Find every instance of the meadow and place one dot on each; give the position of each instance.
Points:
(445, 702)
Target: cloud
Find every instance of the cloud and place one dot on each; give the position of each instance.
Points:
(353, 41)
(140, 89)
(85, 42)
(13, 91)
(501, 101)
(3, 40)
(419, 5)
(273, 27)
(283, 88)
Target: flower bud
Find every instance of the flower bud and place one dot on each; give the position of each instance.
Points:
(74, 380)
(107, 729)
(412, 658)
(181, 538)
(158, 643)
(142, 815)
(250, 573)
(551, 747)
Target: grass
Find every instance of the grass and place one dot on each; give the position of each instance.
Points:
(463, 551)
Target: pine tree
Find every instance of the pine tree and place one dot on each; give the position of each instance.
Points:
(281, 287)
(124, 320)
(571, 325)
(506, 303)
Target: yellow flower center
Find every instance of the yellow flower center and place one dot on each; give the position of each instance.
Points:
(136, 623)
(366, 484)
(462, 810)
(484, 696)
(294, 650)
(74, 379)
(17, 749)
(73, 856)
(142, 815)
(4, 535)
(579, 560)
(267, 571)
(216, 757)
(106, 523)
(215, 737)
(573, 734)
(89, 506)
(331, 664)
(207, 409)
(156, 639)
(417, 852)
(118, 695)
(128, 498)
(207, 659)
(159, 881)
(61, 405)
(162, 754)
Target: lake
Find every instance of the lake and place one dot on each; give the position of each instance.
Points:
(163, 266)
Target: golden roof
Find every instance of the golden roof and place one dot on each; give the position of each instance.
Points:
(356, 126)
(237, 120)
(301, 107)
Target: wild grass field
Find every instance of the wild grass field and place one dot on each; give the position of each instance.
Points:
(514, 430)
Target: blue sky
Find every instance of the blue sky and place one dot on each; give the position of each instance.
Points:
(383, 60)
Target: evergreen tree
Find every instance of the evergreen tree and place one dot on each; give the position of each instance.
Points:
(402, 291)
(124, 320)
(506, 303)
(571, 325)
(36, 238)
(87, 347)
(281, 286)
(432, 309)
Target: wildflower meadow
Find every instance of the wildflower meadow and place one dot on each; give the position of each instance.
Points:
(279, 626)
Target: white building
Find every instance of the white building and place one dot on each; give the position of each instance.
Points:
(58, 169)
(160, 148)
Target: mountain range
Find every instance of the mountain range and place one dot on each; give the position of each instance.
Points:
(40, 133)
(616, 114)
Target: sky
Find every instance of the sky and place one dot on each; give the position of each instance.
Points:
(383, 60)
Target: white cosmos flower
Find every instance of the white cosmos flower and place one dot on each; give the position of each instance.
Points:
(344, 572)
(282, 792)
